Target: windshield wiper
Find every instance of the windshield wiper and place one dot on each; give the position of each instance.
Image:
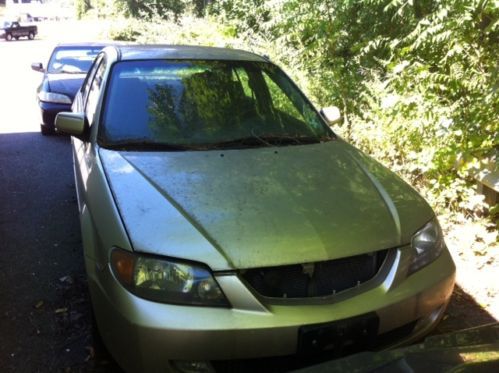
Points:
(147, 146)
(270, 140)
(71, 72)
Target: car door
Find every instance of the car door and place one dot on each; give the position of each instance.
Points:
(19, 30)
(15, 29)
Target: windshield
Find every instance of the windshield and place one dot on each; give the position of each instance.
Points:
(72, 60)
(204, 105)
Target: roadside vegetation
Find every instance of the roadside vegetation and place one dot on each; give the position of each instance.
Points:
(417, 82)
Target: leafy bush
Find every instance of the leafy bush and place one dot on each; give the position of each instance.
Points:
(82, 7)
(187, 30)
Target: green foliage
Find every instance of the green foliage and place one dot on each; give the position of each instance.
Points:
(143, 9)
(443, 74)
(82, 7)
(96, 8)
(165, 9)
(126, 30)
(187, 30)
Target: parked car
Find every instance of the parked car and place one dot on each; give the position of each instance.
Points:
(14, 30)
(223, 219)
(65, 72)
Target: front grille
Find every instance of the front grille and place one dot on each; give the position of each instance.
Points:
(314, 279)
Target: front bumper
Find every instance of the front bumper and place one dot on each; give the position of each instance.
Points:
(145, 336)
(49, 111)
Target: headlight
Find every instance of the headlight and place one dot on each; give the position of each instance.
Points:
(166, 281)
(427, 244)
(54, 97)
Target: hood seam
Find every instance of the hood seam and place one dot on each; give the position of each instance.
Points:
(386, 199)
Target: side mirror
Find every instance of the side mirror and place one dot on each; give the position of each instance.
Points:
(332, 114)
(37, 66)
(71, 123)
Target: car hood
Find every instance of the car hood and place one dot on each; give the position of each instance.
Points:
(262, 207)
(67, 84)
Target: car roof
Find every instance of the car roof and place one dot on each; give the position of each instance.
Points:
(153, 52)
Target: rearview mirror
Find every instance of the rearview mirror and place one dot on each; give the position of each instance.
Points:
(332, 114)
(37, 66)
(71, 123)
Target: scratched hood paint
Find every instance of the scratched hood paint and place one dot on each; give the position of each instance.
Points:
(262, 207)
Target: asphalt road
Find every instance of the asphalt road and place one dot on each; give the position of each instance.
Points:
(44, 307)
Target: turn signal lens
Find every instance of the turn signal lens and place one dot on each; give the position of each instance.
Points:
(123, 263)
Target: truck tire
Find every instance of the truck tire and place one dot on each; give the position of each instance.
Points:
(8, 37)
(31, 36)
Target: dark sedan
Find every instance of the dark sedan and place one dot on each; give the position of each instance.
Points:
(67, 67)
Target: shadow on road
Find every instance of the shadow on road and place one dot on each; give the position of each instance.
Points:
(44, 303)
(463, 312)
(45, 317)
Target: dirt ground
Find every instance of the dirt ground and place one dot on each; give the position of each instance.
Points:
(475, 250)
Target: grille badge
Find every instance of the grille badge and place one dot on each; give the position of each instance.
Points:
(308, 269)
